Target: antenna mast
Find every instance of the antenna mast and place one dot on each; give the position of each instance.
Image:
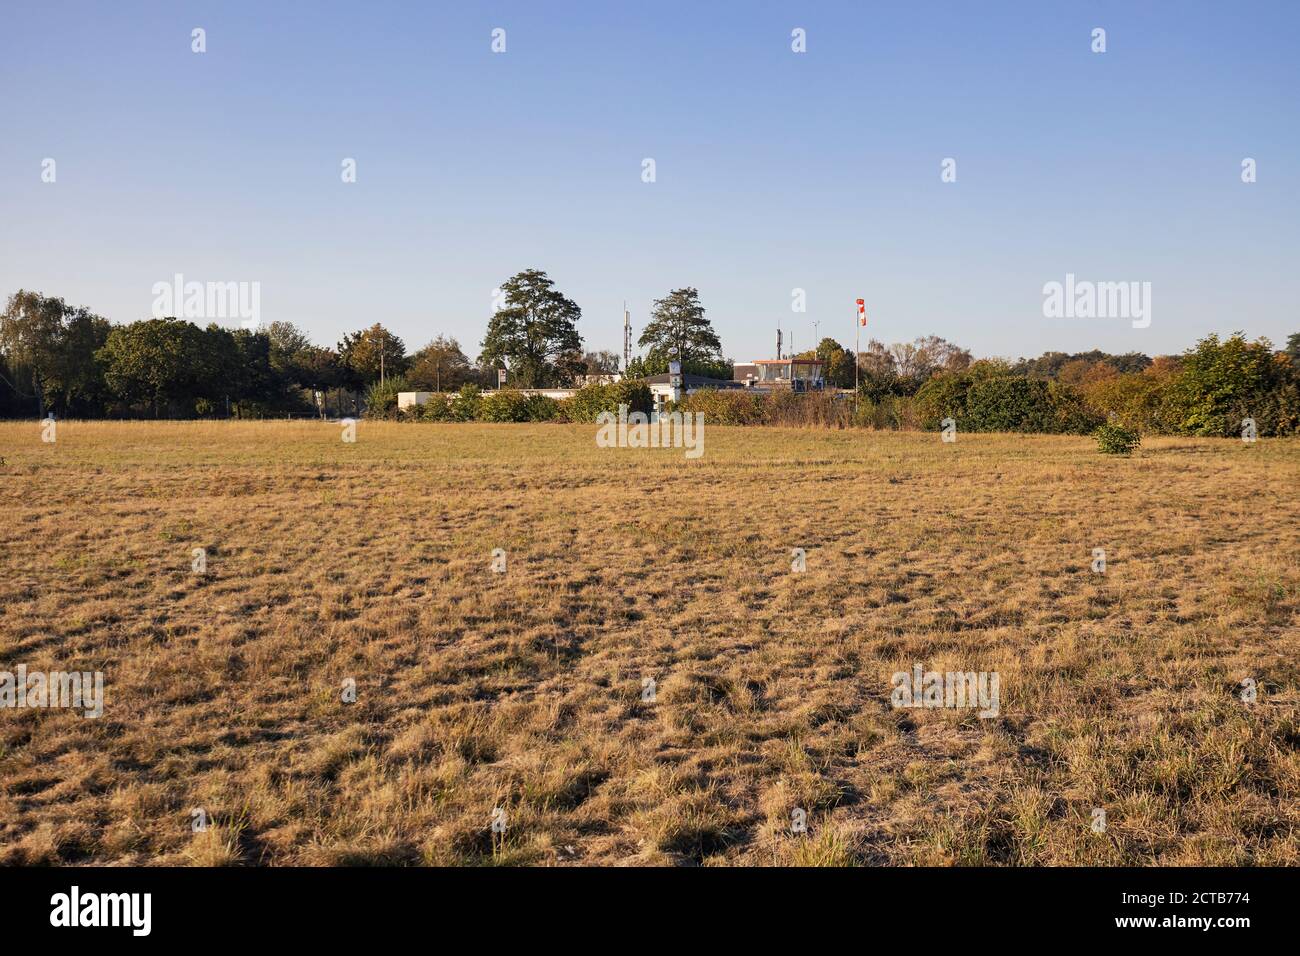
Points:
(627, 336)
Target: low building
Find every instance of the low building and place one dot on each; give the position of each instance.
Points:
(801, 375)
(411, 399)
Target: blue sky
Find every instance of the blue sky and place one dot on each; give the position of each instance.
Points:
(775, 170)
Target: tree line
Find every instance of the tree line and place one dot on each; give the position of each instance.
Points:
(60, 359)
(65, 360)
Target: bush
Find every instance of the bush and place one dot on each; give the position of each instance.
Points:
(1136, 400)
(1222, 383)
(381, 400)
(1116, 439)
(725, 407)
(588, 402)
(464, 407)
(1071, 412)
(539, 408)
(943, 396)
(987, 398)
(1008, 404)
(506, 405)
(889, 412)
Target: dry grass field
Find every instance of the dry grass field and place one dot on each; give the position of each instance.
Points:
(523, 690)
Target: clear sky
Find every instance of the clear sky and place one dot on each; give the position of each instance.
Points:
(775, 170)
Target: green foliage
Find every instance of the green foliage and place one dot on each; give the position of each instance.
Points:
(1071, 412)
(656, 363)
(726, 407)
(1223, 383)
(160, 362)
(381, 399)
(543, 409)
(943, 396)
(1116, 439)
(364, 355)
(49, 349)
(1007, 404)
(535, 334)
(506, 405)
(1049, 364)
(437, 409)
(888, 412)
(837, 363)
(987, 398)
(678, 329)
(1137, 400)
(783, 408)
(440, 366)
(588, 402)
(465, 406)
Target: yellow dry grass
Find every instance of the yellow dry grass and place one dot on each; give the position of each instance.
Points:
(523, 691)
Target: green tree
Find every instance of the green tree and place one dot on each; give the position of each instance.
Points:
(160, 362)
(601, 363)
(678, 329)
(535, 333)
(371, 354)
(656, 363)
(837, 363)
(289, 344)
(49, 347)
(1223, 383)
(440, 366)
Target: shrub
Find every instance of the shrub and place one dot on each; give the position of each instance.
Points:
(381, 400)
(539, 408)
(464, 407)
(1071, 412)
(437, 409)
(1008, 404)
(506, 405)
(588, 402)
(1116, 439)
(1136, 400)
(888, 412)
(943, 396)
(1222, 383)
(988, 398)
(725, 407)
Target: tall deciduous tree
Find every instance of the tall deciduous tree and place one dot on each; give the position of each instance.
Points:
(159, 361)
(440, 366)
(535, 334)
(679, 329)
(49, 346)
(366, 354)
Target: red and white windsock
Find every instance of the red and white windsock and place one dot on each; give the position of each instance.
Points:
(862, 313)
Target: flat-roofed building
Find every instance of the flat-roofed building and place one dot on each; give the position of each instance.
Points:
(801, 375)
